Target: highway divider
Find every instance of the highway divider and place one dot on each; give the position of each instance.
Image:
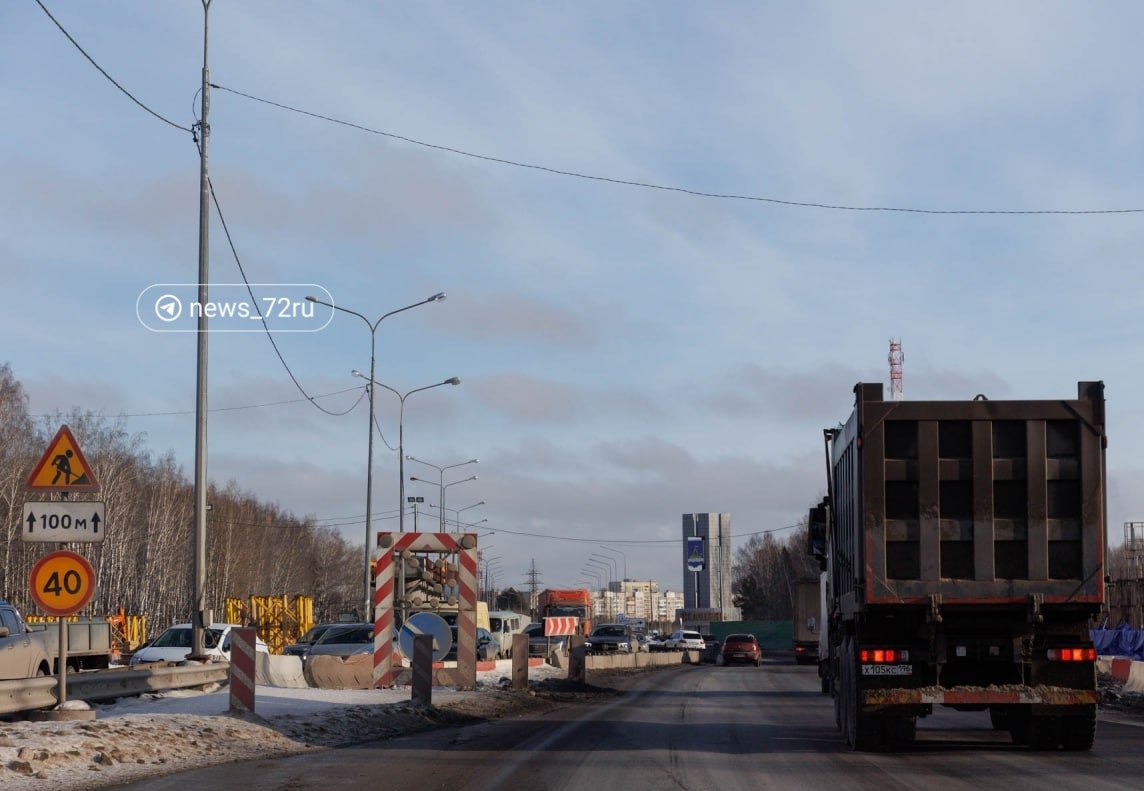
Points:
(27, 694)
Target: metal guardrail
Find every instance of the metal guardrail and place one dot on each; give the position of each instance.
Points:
(27, 694)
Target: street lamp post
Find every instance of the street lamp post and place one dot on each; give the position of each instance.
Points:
(457, 511)
(615, 568)
(442, 483)
(594, 573)
(609, 577)
(621, 554)
(369, 463)
(456, 380)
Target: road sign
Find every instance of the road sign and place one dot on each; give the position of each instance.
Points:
(426, 623)
(63, 468)
(62, 583)
(63, 521)
(414, 499)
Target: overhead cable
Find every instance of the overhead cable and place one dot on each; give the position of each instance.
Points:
(102, 71)
(270, 335)
(664, 187)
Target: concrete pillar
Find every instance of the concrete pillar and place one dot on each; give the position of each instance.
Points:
(520, 661)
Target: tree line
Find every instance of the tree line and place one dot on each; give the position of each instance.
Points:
(764, 573)
(146, 564)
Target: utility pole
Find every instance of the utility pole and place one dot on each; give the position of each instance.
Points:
(200, 618)
(533, 587)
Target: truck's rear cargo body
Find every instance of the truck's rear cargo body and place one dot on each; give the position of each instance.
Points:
(966, 556)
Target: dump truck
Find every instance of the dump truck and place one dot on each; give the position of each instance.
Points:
(806, 620)
(553, 603)
(964, 543)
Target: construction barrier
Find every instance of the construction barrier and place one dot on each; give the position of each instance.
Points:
(242, 671)
(1125, 642)
(280, 620)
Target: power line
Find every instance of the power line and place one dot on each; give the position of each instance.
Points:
(230, 408)
(91, 60)
(269, 335)
(664, 187)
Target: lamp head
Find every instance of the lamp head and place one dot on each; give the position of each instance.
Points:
(438, 297)
(456, 380)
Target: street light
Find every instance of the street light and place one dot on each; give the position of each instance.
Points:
(612, 561)
(458, 510)
(608, 571)
(593, 572)
(442, 483)
(621, 554)
(455, 380)
(439, 296)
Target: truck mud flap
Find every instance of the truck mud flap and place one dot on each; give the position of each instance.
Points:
(969, 696)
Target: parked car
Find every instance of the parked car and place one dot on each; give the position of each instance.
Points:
(343, 640)
(685, 640)
(742, 648)
(312, 635)
(539, 645)
(486, 646)
(612, 638)
(657, 642)
(175, 643)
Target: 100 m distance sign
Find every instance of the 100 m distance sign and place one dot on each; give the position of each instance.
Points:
(62, 583)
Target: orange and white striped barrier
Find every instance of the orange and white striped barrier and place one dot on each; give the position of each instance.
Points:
(242, 671)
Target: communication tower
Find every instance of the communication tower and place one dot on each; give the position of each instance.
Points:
(896, 359)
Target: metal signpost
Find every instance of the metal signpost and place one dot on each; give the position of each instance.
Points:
(63, 582)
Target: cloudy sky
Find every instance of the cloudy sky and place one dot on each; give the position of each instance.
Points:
(628, 354)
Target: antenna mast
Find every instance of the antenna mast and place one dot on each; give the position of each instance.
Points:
(896, 359)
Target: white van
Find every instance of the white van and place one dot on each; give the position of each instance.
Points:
(504, 624)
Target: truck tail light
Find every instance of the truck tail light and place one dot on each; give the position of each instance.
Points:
(1072, 654)
(883, 655)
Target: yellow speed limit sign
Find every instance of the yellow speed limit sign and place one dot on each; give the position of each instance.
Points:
(62, 583)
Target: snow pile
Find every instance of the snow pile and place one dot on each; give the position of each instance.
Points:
(180, 730)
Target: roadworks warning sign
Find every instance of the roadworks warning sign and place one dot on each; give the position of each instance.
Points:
(63, 467)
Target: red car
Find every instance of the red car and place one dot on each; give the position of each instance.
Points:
(742, 648)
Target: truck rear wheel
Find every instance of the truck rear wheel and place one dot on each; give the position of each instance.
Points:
(901, 732)
(1079, 732)
(862, 731)
(1044, 733)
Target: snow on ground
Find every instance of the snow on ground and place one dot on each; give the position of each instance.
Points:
(134, 738)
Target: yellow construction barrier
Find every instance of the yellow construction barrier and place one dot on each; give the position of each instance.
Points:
(280, 620)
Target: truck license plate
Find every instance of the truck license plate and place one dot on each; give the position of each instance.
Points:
(887, 670)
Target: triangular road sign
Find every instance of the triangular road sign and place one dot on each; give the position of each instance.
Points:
(63, 468)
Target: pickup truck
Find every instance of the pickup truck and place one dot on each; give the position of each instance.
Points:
(29, 651)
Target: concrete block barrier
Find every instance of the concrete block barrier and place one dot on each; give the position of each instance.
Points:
(279, 671)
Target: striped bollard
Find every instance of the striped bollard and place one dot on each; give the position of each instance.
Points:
(242, 673)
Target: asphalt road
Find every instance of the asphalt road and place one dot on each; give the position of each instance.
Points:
(694, 728)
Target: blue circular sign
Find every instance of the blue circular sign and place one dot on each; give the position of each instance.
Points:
(426, 623)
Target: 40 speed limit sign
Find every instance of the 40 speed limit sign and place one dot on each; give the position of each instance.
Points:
(62, 583)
